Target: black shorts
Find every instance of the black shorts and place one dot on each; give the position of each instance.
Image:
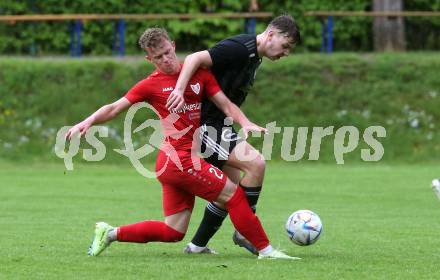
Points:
(217, 142)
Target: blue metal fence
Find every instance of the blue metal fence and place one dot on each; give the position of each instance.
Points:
(327, 35)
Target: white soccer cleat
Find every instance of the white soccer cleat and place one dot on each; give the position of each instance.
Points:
(276, 254)
(206, 250)
(436, 187)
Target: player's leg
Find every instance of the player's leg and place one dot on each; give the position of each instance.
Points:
(234, 174)
(211, 183)
(172, 230)
(246, 222)
(213, 217)
(177, 205)
(254, 169)
(179, 221)
(251, 183)
(241, 215)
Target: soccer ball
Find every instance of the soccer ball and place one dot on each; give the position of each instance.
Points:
(303, 227)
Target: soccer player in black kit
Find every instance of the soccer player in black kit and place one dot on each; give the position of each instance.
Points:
(234, 62)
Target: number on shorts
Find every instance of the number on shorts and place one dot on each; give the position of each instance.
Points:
(216, 172)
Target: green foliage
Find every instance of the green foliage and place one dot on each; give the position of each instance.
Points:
(399, 92)
(350, 34)
(423, 33)
(40, 97)
(44, 38)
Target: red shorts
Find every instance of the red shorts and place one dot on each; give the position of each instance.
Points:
(183, 178)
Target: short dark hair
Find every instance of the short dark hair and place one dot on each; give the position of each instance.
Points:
(287, 26)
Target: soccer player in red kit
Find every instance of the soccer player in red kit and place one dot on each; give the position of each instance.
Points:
(181, 176)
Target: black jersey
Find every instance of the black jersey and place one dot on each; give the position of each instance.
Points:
(234, 64)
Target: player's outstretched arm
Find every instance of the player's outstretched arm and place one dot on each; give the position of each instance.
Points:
(231, 110)
(103, 114)
(192, 63)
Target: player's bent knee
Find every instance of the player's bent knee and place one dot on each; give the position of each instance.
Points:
(256, 168)
(179, 221)
(259, 165)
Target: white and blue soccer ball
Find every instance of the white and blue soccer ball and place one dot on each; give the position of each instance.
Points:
(304, 227)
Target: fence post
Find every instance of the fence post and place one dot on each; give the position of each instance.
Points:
(78, 25)
(75, 38)
(121, 30)
(249, 25)
(119, 38)
(330, 34)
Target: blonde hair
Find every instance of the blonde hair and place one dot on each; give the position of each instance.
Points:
(152, 37)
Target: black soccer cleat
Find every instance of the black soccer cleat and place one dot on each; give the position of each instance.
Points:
(243, 242)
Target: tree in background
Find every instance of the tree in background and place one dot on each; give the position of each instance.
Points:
(389, 32)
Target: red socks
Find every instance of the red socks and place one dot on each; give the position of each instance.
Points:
(245, 220)
(240, 213)
(148, 231)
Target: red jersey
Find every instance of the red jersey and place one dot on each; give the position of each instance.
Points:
(178, 126)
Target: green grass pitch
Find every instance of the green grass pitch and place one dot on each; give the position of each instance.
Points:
(380, 222)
